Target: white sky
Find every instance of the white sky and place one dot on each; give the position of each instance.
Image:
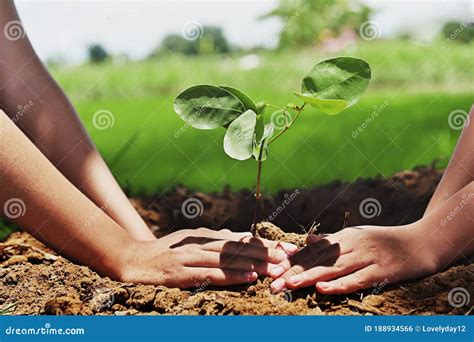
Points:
(64, 28)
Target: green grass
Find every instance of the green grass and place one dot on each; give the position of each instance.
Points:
(422, 85)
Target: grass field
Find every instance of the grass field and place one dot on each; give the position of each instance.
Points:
(417, 85)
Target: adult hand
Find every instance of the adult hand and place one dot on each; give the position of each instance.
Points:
(189, 257)
(356, 258)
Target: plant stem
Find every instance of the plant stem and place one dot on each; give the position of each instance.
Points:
(298, 112)
(258, 193)
(272, 106)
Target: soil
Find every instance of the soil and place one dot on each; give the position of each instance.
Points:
(35, 280)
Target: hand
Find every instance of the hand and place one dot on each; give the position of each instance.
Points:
(189, 257)
(356, 258)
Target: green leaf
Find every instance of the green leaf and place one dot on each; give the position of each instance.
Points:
(207, 106)
(327, 106)
(246, 100)
(239, 138)
(335, 84)
(267, 134)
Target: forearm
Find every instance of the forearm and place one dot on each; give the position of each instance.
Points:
(448, 229)
(53, 210)
(460, 170)
(53, 125)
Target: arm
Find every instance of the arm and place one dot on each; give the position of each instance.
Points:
(356, 258)
(52, 124)
(36, 196)
(460, 170)
(52, 209)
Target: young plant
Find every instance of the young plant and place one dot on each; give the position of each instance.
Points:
(330, 87)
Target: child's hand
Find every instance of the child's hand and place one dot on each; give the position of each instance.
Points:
(357, 258)
(189, 257)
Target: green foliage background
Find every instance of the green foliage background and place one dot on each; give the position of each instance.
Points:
(422, 84)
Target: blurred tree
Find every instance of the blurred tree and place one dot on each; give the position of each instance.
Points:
(208, 39)
(97, 53)
(306, 22)
(461, 32)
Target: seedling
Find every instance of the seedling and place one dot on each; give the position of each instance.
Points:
(330, 87)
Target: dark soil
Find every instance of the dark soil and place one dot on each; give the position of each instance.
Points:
(403, 198)
(35, 280)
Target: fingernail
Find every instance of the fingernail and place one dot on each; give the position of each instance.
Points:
(296, 278)
(323, 285)
(277, 271)
(281, 255)
(250, 275)
(289, 247)
(278, 285)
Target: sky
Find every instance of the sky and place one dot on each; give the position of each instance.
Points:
(64, 28)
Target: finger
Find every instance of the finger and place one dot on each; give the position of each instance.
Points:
(312, 255)
(225, 261)
(353, 282)
(249, 250)
(219, 277)
(305, 258)
(289, 248)
(279, 284)
(345, 264)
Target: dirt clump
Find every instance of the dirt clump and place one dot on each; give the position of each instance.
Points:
(59, 287)
(35, 280)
